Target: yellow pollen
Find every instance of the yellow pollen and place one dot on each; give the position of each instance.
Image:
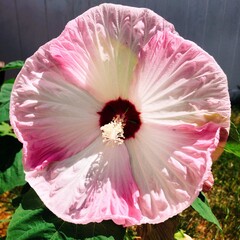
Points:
(112, 133)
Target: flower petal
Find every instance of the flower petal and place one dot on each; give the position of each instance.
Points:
(177, 82)
(91, 186)
(98, 50)
(170, 165)
(53, 118)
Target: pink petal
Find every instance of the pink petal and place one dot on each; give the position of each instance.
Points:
(98, 50)
(91, 186)
(53, 118)
(177, 82)
(207, 186)
(170, 166)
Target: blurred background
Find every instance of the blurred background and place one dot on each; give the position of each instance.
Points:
(213, 24)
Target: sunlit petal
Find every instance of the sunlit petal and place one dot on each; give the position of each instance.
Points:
(53, 118)
(98, 50)
(170, 166)
(91, 186)
(177, 82)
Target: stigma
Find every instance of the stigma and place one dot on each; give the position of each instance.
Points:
(112, 133)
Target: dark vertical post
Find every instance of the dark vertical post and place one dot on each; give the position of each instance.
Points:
(2, 73)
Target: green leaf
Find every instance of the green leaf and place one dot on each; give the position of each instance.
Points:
(234, 134)
(233, 145)
(233, 148)
(6, 130)
(179, 235)
(13, 65)
(10, 80)
(13, 176)
(5, 94)
(201, 205)
(34, 221)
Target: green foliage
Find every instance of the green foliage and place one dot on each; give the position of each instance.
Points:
(13, 65)
(131, 234)
(4, 101)
(224, 200)
(6, 130)
(32, 220)
(11, 174)
(179, 235)
(11, 168)
(225, 196)
(234, 133)
(233, 148)
(233, 144)
(201, 205)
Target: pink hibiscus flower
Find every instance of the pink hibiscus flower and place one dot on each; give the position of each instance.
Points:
(119, 118)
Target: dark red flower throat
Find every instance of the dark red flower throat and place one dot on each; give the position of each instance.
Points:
(124, 110)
